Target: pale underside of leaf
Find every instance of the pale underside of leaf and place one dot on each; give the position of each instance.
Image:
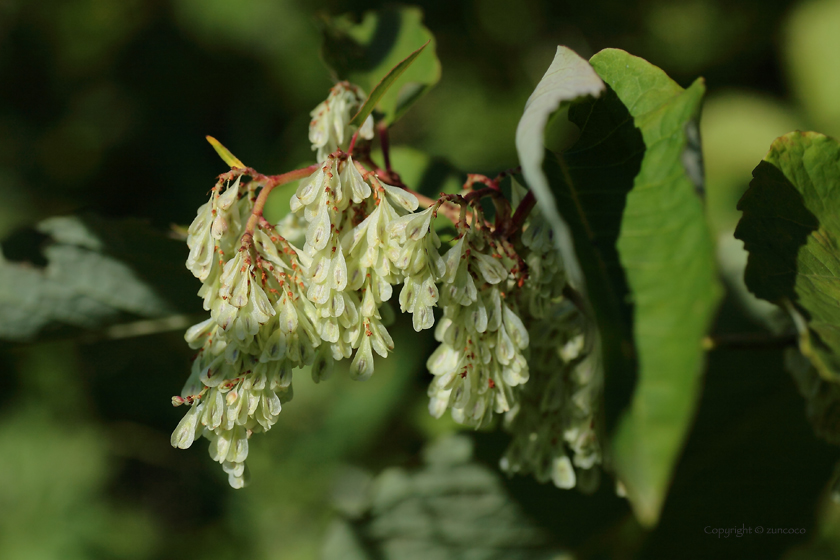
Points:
(569, 78)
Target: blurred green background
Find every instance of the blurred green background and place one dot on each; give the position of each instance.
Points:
(104, 105)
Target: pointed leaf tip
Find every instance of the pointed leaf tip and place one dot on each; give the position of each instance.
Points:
(225, 154)
(384, 84)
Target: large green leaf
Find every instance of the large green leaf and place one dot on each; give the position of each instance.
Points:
(667, 253)
(811, 47)
(791, 228)
(365, 52)
(629, 190)
(97, 273)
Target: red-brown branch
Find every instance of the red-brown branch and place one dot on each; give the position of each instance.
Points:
(522, 212)
(506, 172)
(473, 178)
(268, 184)
(352, 143)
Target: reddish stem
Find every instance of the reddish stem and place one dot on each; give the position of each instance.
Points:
(506, 172)
(522, 212)
(270, 182)
(448, 209)
(391, 177)
(473, 178)
(481, 193)
(352, 143)
(500, 203)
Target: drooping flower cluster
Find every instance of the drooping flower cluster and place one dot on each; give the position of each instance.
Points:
(316, 289)
(260, 327)
(275, 307)
(558, 411)
(557, 416)
(480, 360)
(346, 254)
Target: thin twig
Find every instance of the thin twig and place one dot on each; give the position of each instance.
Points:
(522, 212)
(352, 143)
(749, 341)
(269, 183)
(473, 178)
(507, 172)
(451, 211)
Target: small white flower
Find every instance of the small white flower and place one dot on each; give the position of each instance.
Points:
(187, 428)
(330, 127)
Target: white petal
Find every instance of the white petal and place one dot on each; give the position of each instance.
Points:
(402, 197)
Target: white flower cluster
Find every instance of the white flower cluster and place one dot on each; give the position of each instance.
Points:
(480, 361)
(261, 326)
(353, 228)
(557, 415)
(274, 307)
(330, 128)
(316, 289)
(558, 411)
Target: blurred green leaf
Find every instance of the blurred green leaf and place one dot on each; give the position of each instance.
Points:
(629, 190)
(567, 79)
(736, 129)
(811, 51)
(790, 227)
(97, 273)
(53, 478)
(452, 508)
(364, 52)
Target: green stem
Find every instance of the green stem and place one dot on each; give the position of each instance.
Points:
(384, 143)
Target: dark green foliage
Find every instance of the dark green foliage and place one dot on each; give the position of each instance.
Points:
(451, 508)
(97, 273)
